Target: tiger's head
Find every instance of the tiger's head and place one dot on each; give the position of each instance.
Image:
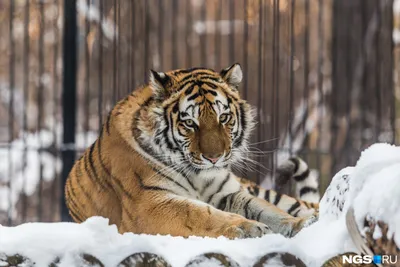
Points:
(201, 123)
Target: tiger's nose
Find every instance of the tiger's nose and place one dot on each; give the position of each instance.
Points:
(212, 157)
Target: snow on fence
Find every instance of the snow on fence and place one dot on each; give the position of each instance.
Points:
(359, 213)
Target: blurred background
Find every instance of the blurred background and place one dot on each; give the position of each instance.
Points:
(323, 75)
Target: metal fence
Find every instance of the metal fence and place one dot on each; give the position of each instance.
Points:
(321, 74)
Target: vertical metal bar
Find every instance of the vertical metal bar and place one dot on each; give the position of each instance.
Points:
(392, 85)
(87, 75)
(115, 66)
(119, 32)
(25, 103)
(189, 25)
(68, 95)
(334, 105)
(146, 40)
(203, 38)
(232, 33)
(129, 84)
(55, 191)
(246, 48)
(321, 101)
(378, 88)
(161, 32)
(364, 82)
(40, 107)
(349, 76)
(260, 80)
(175, 54)
(291, 72)
(275, 78)
(11, 111)
(218, 36)
(133, 45)
(306, 63)
(100, 67)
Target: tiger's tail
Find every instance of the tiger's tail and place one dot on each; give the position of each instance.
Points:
(306, 180)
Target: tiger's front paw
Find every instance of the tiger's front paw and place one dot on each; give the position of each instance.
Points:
(303, 223)
(247, 229)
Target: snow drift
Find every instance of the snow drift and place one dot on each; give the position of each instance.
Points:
(372, 188)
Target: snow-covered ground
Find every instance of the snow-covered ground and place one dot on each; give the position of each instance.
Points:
(372, 187)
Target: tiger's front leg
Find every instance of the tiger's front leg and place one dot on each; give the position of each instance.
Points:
(178, 216)
(254, 208)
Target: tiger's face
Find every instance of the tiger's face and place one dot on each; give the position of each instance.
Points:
(202, 123)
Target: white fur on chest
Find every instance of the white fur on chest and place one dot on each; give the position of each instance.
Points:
(212, 182)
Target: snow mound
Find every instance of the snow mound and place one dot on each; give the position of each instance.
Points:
(375, 188)
(372, 188)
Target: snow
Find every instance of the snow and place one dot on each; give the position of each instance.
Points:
(376, 191)
(92, 13)
(25, 172)
(372, 187)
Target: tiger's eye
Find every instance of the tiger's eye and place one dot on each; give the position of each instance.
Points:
(189, 123)
(224, 118)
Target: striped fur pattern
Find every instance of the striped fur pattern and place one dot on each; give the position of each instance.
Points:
(307, 192)
(161, 164)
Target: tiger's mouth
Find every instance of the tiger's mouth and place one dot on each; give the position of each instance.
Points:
(202, 163)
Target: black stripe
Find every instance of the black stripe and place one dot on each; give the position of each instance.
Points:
(191, 184)
(170, 179)
(108, 123)
(220, 187)
(106, 181)
(86, 194)
(175, 108)
(296, 213)
(117, 181)
(293, 207)
(242, 116)
(190, 82)
(147, 187)
(193, 70)
(259, 215)
(266, 197)
(206, 185)
(296, 163)
(210, 91)
(306, 190)
(166, 130)
(91, 163)
(205, 77)
(301, 177)
(71, 200)
(194, 96)
(213, 86)
(172, 130)
(222, 203)
(246, 207)
(86, 160)
(277, 198)
(189, 90)
(256, 190)
(74, 216)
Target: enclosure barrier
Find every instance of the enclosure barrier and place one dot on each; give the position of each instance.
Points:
(385, 245)
(148, 259)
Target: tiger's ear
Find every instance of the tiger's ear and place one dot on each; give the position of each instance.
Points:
(232, 75)
(159, 82)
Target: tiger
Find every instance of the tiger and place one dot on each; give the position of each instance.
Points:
(162, 163)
